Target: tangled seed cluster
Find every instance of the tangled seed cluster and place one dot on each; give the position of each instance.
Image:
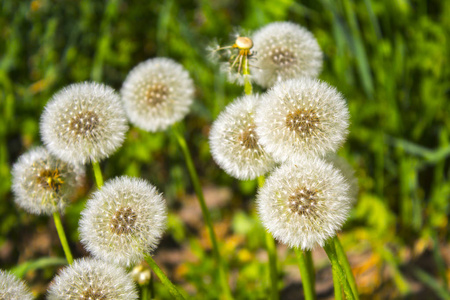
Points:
(84, 122)
(303, 204)
(12, 288)
(284, 50)
(123, 221)
(234, 142)
(93, 279)
(157, 93)
(42, 183)
(301, 116)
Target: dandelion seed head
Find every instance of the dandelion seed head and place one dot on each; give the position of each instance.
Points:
(284, 50)
(234, 142)
(123, 221)
(89, 278)
(157, 93)
(12, 288)
(304, 204)
(84, 122)
(302, 116)
(44, 184)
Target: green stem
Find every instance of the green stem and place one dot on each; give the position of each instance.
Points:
(305, 266)
(343, 261)
(97, 174)
(331, 252)
(261, 181)
(198, 190)
(166, 281)
(272, 252)
(152, 286)
(337, 285)
(62, 237)
(310, 266)
(144, 292)
(248, 89)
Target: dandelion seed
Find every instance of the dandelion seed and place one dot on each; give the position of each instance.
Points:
(304, 204)
(44, 184)
(234, 141)
(123, 221)
(84, 122)
(12, 288)
(299, 117)
(89, 278)
(284, 50)
(157, 93)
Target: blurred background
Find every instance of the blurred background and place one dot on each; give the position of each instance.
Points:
(390, 60)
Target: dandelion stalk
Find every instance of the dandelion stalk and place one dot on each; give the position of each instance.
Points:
(97, 174)
(198, 190)
(306, 272)
(62, 237)
(310, 266)
(246, 72)
(337, 285)
(330, 249)
(272, 253)
(145, 292)
(343, 261)
(166, 281)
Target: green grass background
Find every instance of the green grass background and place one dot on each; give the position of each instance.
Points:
(389, 58)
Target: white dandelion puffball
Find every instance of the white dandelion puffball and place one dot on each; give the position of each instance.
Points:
(304, 204)
(234, 142)
(301, 116)
(12, 288)
(44, 184)
(284, 50)
(123, 221)
(89, 278)
(157, 93)
(84, 122)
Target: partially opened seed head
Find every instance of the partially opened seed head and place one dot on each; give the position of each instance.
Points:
(44, 184)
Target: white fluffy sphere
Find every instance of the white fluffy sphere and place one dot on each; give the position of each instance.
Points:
(12, 288)
(304, 204)
(157, 93)
(234, 142)
(284, 50)
(302, 116)
(84, 122)
(123, 221)
(89, 278)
